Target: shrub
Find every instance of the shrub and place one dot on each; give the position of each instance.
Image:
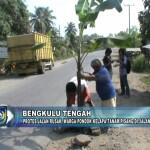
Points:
(139, 64)
(146, 79)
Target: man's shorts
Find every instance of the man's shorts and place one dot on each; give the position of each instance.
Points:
(109, 103)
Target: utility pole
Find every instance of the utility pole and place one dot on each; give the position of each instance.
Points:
(129, 7)
(59, 31)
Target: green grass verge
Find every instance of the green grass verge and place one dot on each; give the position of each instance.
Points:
(139, 65)
(146, 79)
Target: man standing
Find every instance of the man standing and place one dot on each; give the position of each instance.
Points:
(107, 61)
(125, 90)
(104, 85)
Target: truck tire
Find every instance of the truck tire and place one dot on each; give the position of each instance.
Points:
(53, 63)
(41, 69)
(50, 67)
(21, 74)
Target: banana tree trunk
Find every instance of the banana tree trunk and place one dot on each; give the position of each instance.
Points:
(80, 98)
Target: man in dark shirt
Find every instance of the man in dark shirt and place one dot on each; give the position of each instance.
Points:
(107, 60)
(125, 89)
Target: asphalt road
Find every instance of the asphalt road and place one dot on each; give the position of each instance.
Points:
(42, 90)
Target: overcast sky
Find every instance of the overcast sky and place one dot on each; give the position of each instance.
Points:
(107, 22)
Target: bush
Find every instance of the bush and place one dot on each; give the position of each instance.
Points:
(146, 79)
(139, 64)
(63, 53)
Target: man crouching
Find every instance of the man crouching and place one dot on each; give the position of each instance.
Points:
(71, 92)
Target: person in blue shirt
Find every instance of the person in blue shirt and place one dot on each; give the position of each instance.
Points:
(104, 86)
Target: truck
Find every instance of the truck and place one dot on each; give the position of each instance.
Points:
(30, 53)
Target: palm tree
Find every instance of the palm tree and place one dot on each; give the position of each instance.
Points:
(71, 34)
(54, 34)
(144, 19)
(42, 20)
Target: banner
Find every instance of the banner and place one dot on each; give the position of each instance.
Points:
(74, 116)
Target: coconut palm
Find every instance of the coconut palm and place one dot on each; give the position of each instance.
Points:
(71, 34)
(42, 20)
(144, 19)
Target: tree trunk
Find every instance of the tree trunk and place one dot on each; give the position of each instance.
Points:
(80, 98)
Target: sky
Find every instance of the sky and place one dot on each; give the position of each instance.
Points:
(109, 21)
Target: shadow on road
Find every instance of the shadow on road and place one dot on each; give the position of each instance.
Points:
(22, 76)
(10, 77)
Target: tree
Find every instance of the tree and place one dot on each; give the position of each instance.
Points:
(42, 20)
(14, 18)
(55, 38)
(71, 34)
(54, 34)
(144, 19)
(133, 38)
(88, 11)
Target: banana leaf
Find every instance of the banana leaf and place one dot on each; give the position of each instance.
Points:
(110, 4)
(38, 46)
(113, 42)
(88, 10)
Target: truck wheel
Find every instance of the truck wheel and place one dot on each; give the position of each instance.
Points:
(21, 74)
(53, 64)
(41, 69)
(50, 67)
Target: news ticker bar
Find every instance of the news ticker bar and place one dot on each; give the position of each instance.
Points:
(74, 116)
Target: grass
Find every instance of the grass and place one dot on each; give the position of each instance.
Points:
(146, 79)
(139, 64)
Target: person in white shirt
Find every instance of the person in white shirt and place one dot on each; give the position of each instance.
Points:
(71, 92)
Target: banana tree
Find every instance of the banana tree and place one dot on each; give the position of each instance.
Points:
(110, 42)
(87, 11)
